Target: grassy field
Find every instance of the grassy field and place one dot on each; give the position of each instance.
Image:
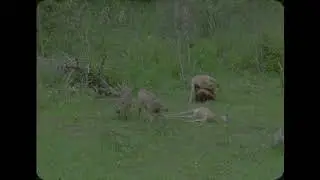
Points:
(79, 136)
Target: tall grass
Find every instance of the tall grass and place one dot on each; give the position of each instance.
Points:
(139, 40)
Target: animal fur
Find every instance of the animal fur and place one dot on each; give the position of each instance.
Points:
(150, 103)
(124, 103)
(201, 114)
(202, 82)
(203, 95)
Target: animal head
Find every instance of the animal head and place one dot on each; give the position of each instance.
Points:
(164, 109)
(203, 95)
(158, 107)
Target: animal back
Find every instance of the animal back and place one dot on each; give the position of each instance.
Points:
(205, 112)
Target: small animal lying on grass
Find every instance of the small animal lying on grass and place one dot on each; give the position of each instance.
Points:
(150, 103)
(202, 82)
(203, 95)
(200, 114)
(124, 103)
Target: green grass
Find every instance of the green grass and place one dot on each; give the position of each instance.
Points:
(80, 138)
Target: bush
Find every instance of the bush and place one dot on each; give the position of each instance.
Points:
(271, 56)
(127, 35)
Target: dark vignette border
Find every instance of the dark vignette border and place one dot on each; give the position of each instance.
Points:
(300, 53)
(19, 89)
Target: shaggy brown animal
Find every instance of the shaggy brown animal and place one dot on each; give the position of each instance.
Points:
(203, 95)
(124, 103)
(150, 103)
(202, 82)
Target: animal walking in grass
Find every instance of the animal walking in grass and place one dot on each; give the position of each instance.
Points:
(124, 103)
(148, 102)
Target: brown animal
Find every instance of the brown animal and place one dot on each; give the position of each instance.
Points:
(150, 103)
(201, 114)
(202, 82)
(203, 95)
(124, 103)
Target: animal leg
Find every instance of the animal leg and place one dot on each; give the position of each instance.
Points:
(139, 112)
(128, 111)
(124, 115)
(201, 119)
(119, 112)
(180, 113)
(191, 93)
(190, 116)
(198, 120)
